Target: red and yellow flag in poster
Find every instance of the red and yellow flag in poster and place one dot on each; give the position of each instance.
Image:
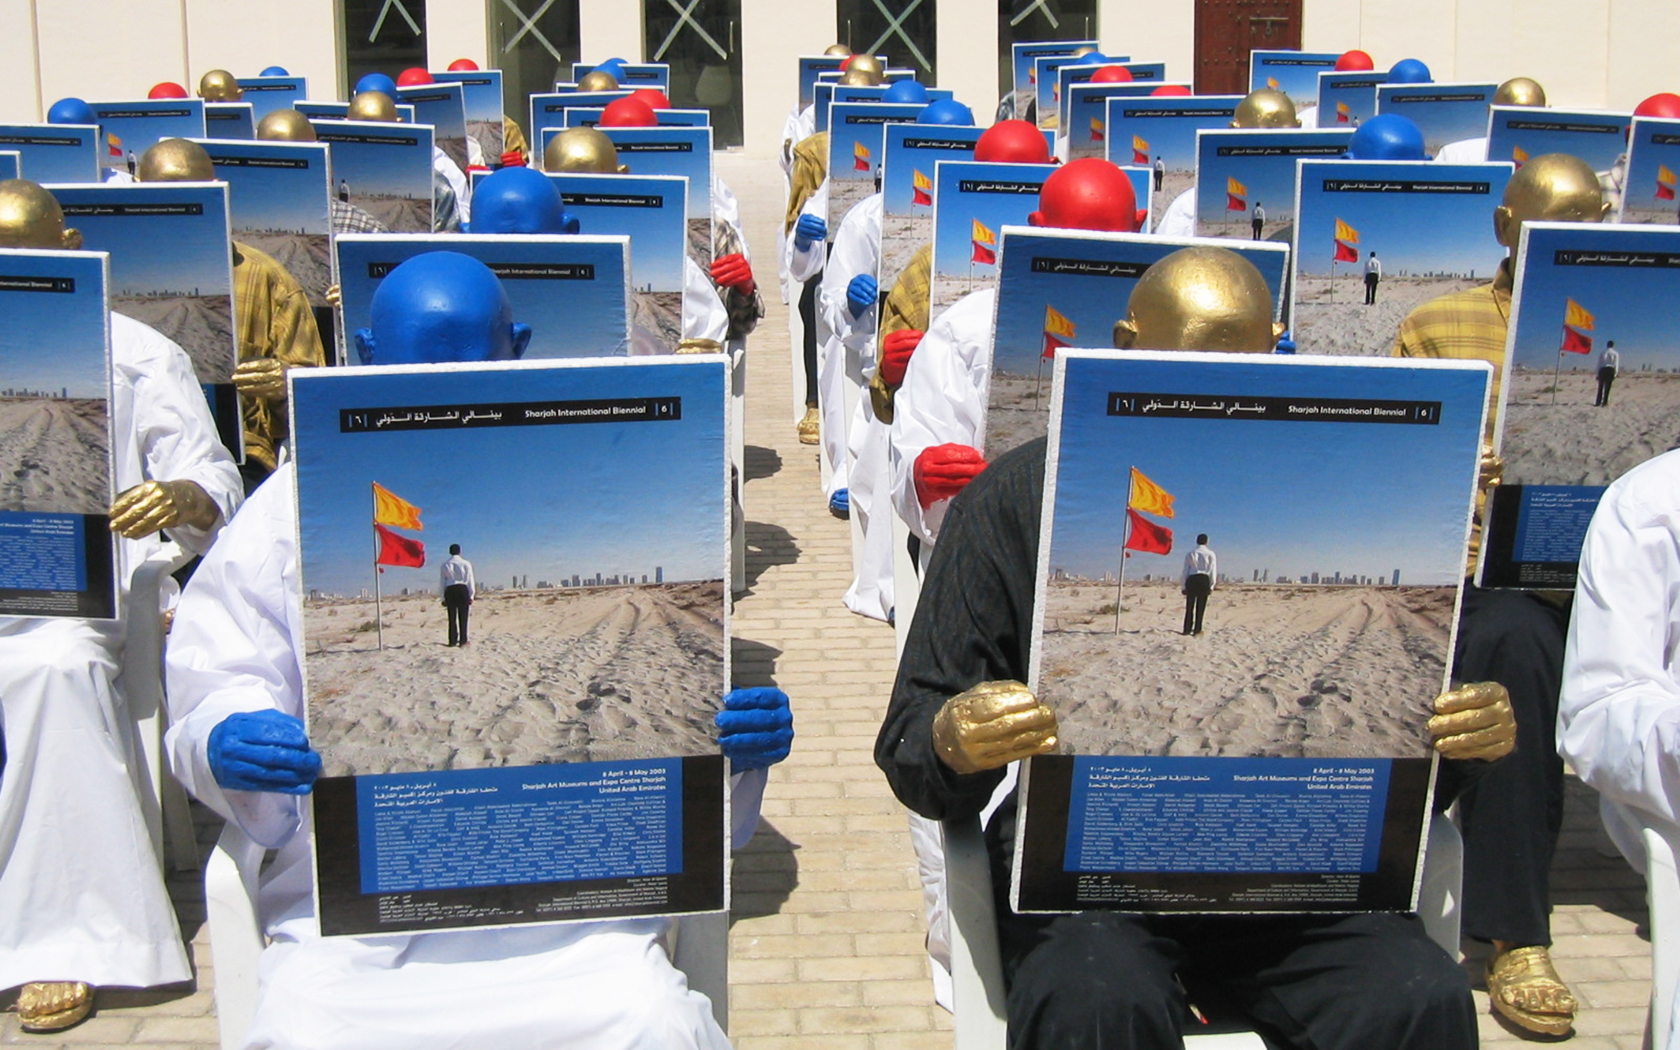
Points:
(391, 509)
(1272, 83)
(1343, 114)
(1099, 133)
(113, 144)
(860, 157)
(921, 189)
(1140, 150)
(1345, 253)
(1519, 156)
(1665, 182)
(1576, 316)
(1148, 497)
(1235, 194)
(1144, 535)
(399, 550)
(984, 243)
(1346, 237)
(1058, 332)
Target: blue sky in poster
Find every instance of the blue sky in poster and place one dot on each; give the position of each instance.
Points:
(568, 317)
(229, 120)
(1357, 90)
(1445, 112)
(854, 124)
(956, 208)
(54, 340)
(1088, 102)
(1295, 73)
(1268, 177)
(481, 91)
(387, 159)
(1292, 497)
(1022, 57)
(914, 147)
(267, 94)
(10, 166)
(1425, 231)
(440, 105)
(1596, 138)
(274, 193)
(54, 152)
(1634, 305)
(156, 254)
(1093, 302)
(1168, 125)
(685, 152)
(141, 125)
(547, 501)
(1655, 145)
(659, 232)
(809, 67)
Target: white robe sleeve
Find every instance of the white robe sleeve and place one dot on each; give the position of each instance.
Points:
(1179, 220)
(457, 181)
(727, 209)
(1308, 117)
(942, 401)
(234, 647)
(1619, 711)
(805, 263)
(1464, 151)
(857, 250)
(703, 314)
(174, 432)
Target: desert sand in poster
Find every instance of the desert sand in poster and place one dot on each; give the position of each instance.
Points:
(599, 674)
(947, 290)
(53, 455)
(1331, 318)
(1573, 443)
(1175, 182)
(202, 325)
(901, 235)
(399, 214)
(1649, 216)
(700, 242)
(1281, 670)
(1017, 410)
(306, 256)
(659, 313)
(488, 135)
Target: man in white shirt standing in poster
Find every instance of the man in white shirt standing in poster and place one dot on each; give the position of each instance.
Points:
(1609, 367)
(1201, 569)
(1373, 274)
(455, 580)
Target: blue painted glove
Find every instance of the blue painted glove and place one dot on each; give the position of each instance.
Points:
(263, 751)
(840, 504)
(569, 223)
(809, 228)
(861, 294)
(1285, 344)
(755, 727)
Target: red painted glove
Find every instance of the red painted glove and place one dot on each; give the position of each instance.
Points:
(513, 159)
(945, 470)
(733, 271)
(895, 355)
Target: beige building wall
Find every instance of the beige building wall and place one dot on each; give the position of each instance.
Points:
(1588, 53)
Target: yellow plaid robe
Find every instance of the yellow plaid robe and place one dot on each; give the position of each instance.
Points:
(272, 319)
(810, 168)
(906, 307)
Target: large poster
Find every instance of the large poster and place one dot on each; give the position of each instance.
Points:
(573, 292)
(171, 261)
(1516, 133)
(229, 120)
(1064, 288)
(1345, 99)
(277, 203)
(973, 202)
(132, 128)
(1591, 386)
(267, 94)
(809, 67)
(56, 547)
(1245, 180)
(1086, 126)
(1376, 239)
(1650, 183)
(482, 97)
(54, 152)
(685, 152)
(1242, 653)
(559, 762)
(1443, 112)
(651, 210)
(549, 111)
(1160, 133)
(444, 107)
(1047, 83)
(590, 117)
(1023, 64)
(856, 143)
(1295, 73)
(383, 169)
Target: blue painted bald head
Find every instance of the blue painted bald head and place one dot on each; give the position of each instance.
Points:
(1387, 136)
(441, 308)
(519, 200)
(376, 82)
(71, 111)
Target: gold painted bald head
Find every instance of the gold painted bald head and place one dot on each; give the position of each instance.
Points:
(286, 125)
(31, 218)
(176, 160)
(1266, 108)
(1553, 187)
(219, 85)
(837, 50)
(582, 149)
(1200, 299)
(374, 105)
(1084, 49)
(860, 78)
(1520, 91)
(599, 80)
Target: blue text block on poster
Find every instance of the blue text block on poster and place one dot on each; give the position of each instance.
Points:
(528, 824)
(44, 552)
(1219, 815)
(1552, 524)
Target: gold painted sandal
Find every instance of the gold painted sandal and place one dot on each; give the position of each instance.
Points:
(52, 1006)
(1527, 991)
(810, 428)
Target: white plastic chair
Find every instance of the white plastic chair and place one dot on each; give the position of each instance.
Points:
(165, 807)
(977, 964)
(700, 948)
(1662, 889)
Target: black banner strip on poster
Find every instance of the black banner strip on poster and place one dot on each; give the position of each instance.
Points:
(1635, 260)
(366, 139)
(654, 147)
(1209, 111)
(94, 210)
(1088, 267)
(40, 140)
(509, 414)
(1249, 407)
(345, 909)
(125, 114)
(993, 186)
(1404, 186)
(942, 144)
(1450, 96)
(35, 283)
(877, 118)
(1559, 125)
(299, 163)
(1281, 151)
(510, 271)
(612, 200)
